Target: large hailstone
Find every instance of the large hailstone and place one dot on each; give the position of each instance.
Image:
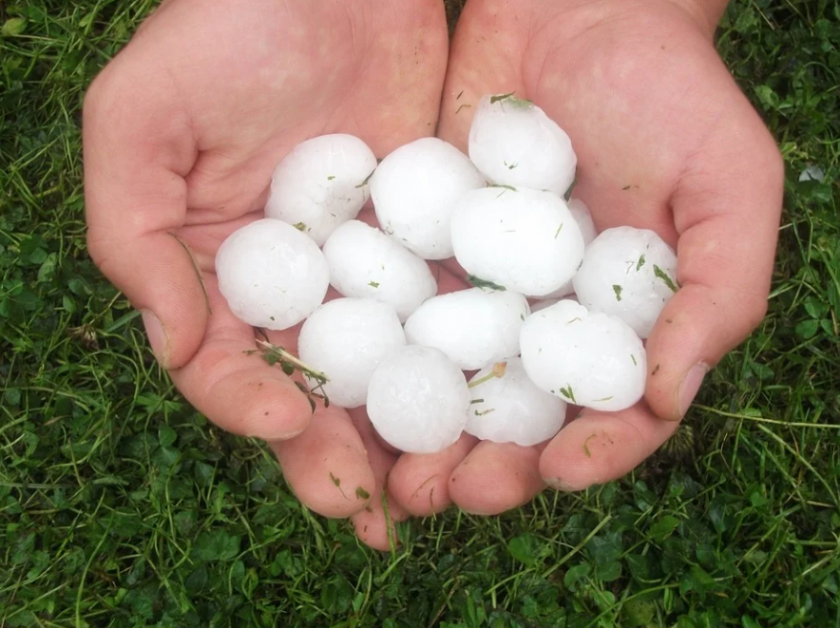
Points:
(525, 240)
(271, 274)
(511, 409)
(321, 183)
(418, 400)
(629, 273)
(414, 191)
(586, 358)
(472, 327)
(346, 339)
(365, 263)
(513, 142)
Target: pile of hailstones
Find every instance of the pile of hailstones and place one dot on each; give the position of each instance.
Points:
(390, 343)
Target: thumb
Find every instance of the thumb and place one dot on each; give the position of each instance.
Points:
(726, 210)
(137, 149)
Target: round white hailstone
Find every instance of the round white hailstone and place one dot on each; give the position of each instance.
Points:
(472, 327)
(418, 400)
(366, 263)
(346, 339)
(271, 274)
(586, 358)
(511, 409)
(629, 273)
(513, 142)
(321, 183)
(414, 191)
(525, 240)
(583, 217)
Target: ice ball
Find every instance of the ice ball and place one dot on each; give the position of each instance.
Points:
(346, 339)
(629, 273)
(513, 142)
(366, 263)
(524, 240)
(472, 327)
(511, 409)
(271, 274)
(586, 358)
(321, 183)
(418, 400)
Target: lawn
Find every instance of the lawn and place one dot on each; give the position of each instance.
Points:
(121, 506)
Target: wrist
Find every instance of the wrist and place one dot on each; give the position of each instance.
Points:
(707, 13)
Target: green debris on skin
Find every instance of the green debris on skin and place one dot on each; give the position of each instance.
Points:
(568, 393)
(559, 229)
(640, 263)
(464, 106)
(483, 412)
(478, 282)
(300, 226)
(330, 177)
(373, 284)
(476, 401)
(661, 274)
(586, 445)
(633, 357)
(362, 493)
(511, 166)
(605, 398)
(617, 289)
(509, 98)
(501, 185)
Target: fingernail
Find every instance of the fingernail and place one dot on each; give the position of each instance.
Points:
(560, 485)
(157, 336)
(691, 385)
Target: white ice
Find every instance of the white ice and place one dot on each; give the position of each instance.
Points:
(418, 400)
(321, 183)
(346, 339)
(271, 274)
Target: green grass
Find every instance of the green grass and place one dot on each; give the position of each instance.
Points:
(120, 505)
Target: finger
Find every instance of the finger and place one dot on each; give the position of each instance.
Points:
(137, 150)
(327, 465)
(420, 482)
(597, 447)
(496, 477)
(233, 385)
(726, 210)
(498, 72)
(374, 525)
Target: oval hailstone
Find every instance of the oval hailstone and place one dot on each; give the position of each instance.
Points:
(321, 183)
(525, 240)
(586, 358)
(418, 400)
(513, 142)
(364, 262)
(271, 274)
(511, 409)
(472, 327)
(629, 273)
(414, 191)
(346, 339)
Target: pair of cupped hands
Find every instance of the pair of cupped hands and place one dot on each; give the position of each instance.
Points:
(183, 129)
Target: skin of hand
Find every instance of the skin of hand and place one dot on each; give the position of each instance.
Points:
(182, 131)
(666, 141)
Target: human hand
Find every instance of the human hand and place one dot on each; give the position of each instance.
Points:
(181, 133)
(666, 141)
